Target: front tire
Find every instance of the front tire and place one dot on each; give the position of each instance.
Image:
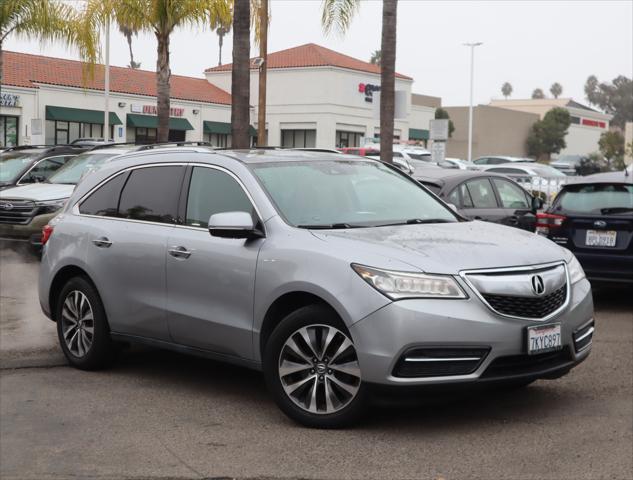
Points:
(311, 368)
(82, 327)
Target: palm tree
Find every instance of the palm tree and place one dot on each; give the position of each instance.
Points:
(338, 15)
(506, 89)
(161, 17)
(222, 29)
(375, 57)
(260, 20)
(538, 94)
(240, 75)
(127, 33)
(37, 19)
(556, 89)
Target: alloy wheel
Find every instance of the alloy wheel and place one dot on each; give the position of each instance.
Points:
(77, 323)
(319, 370)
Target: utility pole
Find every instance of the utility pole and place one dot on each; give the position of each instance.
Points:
(470, 107)
(263, 54)
(106, 120)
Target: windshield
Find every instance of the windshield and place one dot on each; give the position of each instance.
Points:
(598, 198)
(569, 159)
(420, 156)
(341, 194)
(547, 171)
(74, 170)
(13, 164)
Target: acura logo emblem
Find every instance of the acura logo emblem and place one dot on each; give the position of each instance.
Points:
(538, 286)
(6, 205)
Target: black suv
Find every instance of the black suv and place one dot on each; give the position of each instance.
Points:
(593, 217)
(33, 163)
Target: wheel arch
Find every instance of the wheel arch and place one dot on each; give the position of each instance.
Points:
(60, 279)
(282, 307)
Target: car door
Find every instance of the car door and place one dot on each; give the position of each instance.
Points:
(211, 280)
(479, 201)
(516, 204)
(127, 245)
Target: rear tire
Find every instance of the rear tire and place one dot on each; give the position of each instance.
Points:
(311, 368)
(82, 326)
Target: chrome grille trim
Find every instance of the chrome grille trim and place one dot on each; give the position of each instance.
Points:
(20, 212)
(529, 269)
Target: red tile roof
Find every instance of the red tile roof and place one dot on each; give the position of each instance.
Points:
(312, 55)
(25, 70)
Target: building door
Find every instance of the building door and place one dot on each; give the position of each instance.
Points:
(177, 135)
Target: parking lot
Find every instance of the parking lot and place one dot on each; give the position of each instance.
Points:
(162, 415)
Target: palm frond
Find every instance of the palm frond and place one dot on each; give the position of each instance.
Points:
(337, 15)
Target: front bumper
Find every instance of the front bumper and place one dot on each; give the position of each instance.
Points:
(383, 337)
(31, 232)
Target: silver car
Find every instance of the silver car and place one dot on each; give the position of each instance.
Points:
(332, 274)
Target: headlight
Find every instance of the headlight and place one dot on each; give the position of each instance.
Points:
(576, 273)
(50, 206)
(398, 285)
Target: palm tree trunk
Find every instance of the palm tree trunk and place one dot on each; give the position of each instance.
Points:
(129, 44)
(221, 42)
(387, 78)
(263, 53)
(163, 74)
(240, 76)
(1, 64)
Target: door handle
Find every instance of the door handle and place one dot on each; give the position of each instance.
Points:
(102, 242)
(179, 252)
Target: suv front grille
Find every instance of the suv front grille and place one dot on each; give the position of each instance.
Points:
(16, 212)
(528, 307)
(438, 362)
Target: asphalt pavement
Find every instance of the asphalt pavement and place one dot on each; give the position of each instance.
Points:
(158, 414)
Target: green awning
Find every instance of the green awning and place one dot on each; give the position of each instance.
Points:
(223, 128)
(418, 134)
(151, 121)
(66, 114)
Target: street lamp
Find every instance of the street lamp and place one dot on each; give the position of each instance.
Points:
(472, 46)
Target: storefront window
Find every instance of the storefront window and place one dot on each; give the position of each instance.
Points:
(348, 139)
(298, 138)
(219, 140)
(8, 131)
(60, 133)
(145, 135)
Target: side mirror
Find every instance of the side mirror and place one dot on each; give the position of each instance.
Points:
(233, 225)
(537, 203)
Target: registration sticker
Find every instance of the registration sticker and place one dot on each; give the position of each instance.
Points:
(544, 338)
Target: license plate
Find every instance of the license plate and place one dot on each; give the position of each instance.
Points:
(544, 338)
(597, 238)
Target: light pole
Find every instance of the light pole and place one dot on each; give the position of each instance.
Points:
(472, 46)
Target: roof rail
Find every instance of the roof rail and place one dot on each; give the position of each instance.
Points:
(254, 148)
(108, 145)
(25, 147)
(176, 144)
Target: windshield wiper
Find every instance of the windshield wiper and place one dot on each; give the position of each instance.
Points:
(330, 226)
(606, 211)
(416, 221)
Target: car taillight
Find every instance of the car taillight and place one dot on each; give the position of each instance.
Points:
(546, 222)
(47, 231)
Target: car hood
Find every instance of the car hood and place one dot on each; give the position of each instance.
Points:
(446, 247)
(38, 192)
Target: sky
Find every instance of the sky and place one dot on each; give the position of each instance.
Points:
(530, 44)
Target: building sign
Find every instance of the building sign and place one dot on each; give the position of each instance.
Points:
(153, 110)
(368, 89)
(438, 152)
(9, 100)
(593, 123)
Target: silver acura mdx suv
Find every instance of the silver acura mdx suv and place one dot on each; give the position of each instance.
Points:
(333, 274)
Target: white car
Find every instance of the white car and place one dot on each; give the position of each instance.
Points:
(543, 180)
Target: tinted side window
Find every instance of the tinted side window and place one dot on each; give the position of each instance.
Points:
(213, 191)
(496, 161)
(506, 170)
(104, 201)
(481, 193)
(151, 194)
(511, 196)
(460, 197)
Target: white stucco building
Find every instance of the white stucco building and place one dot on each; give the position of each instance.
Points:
(586, 126)
(317, 97)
